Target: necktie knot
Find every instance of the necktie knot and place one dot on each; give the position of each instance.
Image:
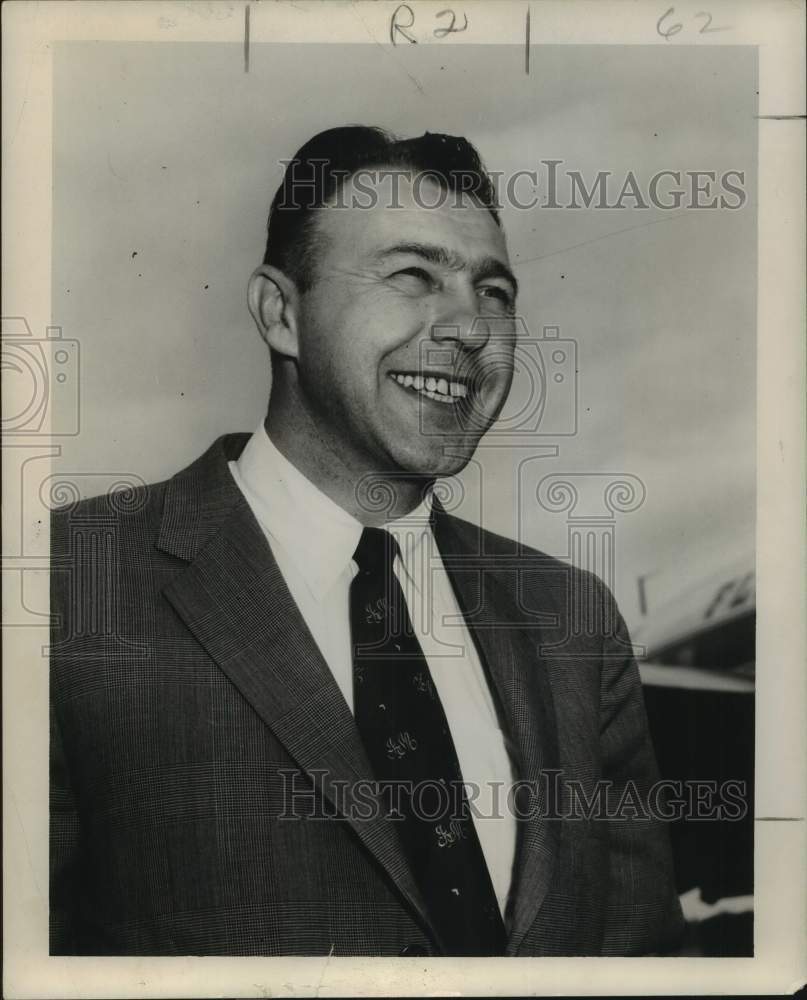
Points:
(376, 551)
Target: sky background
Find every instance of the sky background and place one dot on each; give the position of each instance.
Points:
(166, 157)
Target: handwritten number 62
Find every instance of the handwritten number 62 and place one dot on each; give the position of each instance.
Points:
(668, 30)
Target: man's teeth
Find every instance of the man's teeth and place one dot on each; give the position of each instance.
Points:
(440, 389)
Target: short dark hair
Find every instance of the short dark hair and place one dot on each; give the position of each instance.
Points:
(320, 167)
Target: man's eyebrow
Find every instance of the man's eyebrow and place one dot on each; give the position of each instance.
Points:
(486, 267)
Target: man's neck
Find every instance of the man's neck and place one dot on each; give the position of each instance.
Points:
(373, 498)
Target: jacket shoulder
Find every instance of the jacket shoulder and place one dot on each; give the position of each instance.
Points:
(136, 508)
(491, 543)
(125, 500)
(534, 567)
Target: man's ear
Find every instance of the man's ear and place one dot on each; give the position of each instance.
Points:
(274, 302)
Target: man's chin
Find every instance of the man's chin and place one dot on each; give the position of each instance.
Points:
(435, 460)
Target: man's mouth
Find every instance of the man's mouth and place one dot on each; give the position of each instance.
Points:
(439, 386)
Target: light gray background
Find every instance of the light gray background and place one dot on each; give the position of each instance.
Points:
(172, 151)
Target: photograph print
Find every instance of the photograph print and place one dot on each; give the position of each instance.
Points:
(402, 518)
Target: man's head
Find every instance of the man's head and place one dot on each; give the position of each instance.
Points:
(386, 299)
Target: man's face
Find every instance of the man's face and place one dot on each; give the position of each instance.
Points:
(405, 338)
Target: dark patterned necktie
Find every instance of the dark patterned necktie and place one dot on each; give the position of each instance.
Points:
(409, 746)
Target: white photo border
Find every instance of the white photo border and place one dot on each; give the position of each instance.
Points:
(778, 966)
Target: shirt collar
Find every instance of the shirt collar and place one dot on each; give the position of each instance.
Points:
(313, 529)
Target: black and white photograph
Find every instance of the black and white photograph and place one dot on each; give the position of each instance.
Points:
(399, 429)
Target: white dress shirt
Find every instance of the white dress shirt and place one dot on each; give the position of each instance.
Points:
(313, 540)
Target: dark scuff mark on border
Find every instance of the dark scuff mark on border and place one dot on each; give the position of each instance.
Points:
(527, 46)
(246, 39)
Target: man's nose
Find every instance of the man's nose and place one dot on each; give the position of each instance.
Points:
(459, 320)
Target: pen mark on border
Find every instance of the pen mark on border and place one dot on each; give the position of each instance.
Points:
(782, 118)
(246, 39)
(527, 45)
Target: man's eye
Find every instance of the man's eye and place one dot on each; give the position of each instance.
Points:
(418, 274)
(495, 292)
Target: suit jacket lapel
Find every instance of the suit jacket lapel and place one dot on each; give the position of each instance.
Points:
(233, 598)
(508, 643)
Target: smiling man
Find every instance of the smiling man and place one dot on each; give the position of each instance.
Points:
(313, 712)
(354, 298)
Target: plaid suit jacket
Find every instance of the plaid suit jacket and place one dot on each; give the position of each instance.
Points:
(193, 717)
